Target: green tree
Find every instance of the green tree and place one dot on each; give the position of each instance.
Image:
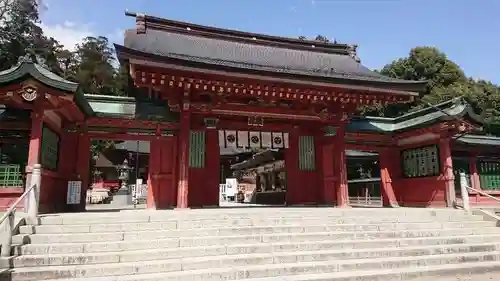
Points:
(21, 36)
(122, 82)
(320, 38)
(18, 30)
(423, 64)
(91, 64)
(445, 81)
(426, 63)
(95, 71)
(68, 63)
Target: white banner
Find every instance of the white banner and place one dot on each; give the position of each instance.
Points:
(278, 140)
(222, 138)
(245, 139)
(285, 138)
(255, 140)
(242, 139)
(230, 138)
(266, 140)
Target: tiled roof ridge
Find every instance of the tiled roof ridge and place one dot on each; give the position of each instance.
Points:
(143, 22)
(320, 72)
(298, 70)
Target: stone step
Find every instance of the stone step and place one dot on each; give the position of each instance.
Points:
(232, 243)
(270, 215)
(248, 247)
(183, 269)
(485, 271)
(266, 243)
(447, 272)
(324, 226)
(140, 236)
(216, 256)
(263, 209)
(263, 220)
(239, 223)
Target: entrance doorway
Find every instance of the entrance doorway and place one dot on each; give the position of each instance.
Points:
(363, 174)
(118, 175)
(252, 168)
(15, 127)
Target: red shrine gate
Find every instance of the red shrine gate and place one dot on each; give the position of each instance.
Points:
(191, 82)
(304, 183)
(217, 79)
(306, 153)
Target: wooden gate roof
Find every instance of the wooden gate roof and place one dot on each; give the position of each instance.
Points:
(30, 80)
(208, 48)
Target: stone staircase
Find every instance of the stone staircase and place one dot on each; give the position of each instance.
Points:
(257, 244)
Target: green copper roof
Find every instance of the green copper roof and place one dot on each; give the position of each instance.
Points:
(478, 140)
(28, 68)
(112, 105)
(455, 108)
(130, 108)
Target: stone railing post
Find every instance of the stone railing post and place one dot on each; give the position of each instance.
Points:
(33, 196)
(6, 235)
(464, 192)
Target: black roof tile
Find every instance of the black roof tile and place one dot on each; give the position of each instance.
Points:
(228, 48)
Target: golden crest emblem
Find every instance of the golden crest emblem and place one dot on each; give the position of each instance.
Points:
(29, 93)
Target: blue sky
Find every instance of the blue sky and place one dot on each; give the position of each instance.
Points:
(467, 30)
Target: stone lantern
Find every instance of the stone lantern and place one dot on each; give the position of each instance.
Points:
(124, 173)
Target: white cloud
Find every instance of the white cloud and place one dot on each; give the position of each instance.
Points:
(68, 33)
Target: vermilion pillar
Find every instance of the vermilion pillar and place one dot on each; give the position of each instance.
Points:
(35, 139)
(328, 168)
(183, 181)
(292, 168)
(154, 164)
(447, 171)
(340, 172)
(474, 175)
(35, 144)
(388, 195)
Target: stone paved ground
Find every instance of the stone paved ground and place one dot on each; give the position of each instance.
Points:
(239, 205)
(121, 201)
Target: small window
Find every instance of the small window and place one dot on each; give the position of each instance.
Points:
(197, 149)
(307, 153)
(420, 162)
(49, 152)
(489, 174)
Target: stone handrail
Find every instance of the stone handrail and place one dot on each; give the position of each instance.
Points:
(483, 193)
(31, 195)
(464, 190)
